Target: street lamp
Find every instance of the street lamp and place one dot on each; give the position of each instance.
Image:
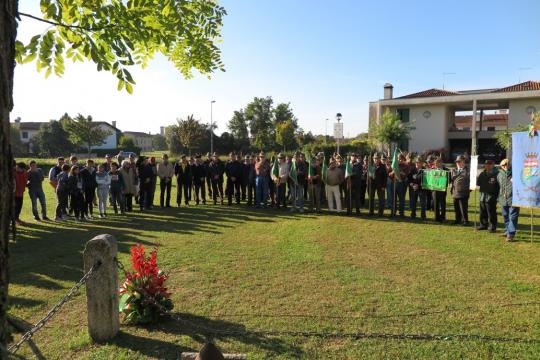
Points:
(211, 128)
(326, 132)
(338, 118)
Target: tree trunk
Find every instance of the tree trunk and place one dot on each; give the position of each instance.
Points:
(8, 33)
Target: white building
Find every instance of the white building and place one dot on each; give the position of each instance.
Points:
(142, 140)
(443, 119)
(29, 129)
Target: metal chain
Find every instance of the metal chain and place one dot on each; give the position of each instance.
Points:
(71, 293)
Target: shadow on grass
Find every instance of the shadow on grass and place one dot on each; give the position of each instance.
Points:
(200, 329)
(46, 253)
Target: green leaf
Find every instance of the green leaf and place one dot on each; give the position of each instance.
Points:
(129, 88)
(120, 84)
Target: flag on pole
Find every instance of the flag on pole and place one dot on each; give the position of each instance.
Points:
(348, 169)
(310, 166)
(293, 174)
(324, 171)
(275, 169)
(395, 164)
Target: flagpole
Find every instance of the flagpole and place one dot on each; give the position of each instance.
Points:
(532, 225)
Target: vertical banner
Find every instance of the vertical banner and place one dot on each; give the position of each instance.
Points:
(473, 172)
(525, 170)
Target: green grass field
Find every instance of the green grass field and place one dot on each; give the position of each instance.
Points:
(233, 268)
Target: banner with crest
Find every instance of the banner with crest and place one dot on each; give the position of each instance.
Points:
(525, 169)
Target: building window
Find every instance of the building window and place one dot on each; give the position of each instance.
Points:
(24, 135)
(403, 114)
(491, 128)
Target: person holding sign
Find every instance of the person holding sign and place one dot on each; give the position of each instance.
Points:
(489, 191)
(439, 195)
(510, 213)
(460, 191)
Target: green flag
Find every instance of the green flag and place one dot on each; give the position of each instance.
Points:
(348, 169)
(310, 171)
(324, 171)
(395, 164)
(436, 179)
(275, 169)
(293, 175)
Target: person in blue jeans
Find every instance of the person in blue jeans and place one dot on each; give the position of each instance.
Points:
(262, 169)
(510, 213)
(35, 190)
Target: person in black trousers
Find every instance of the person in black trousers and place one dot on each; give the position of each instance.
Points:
(88, 175)
(415, 190)
(377, 185)
(460, 191)
(489, 192)
(214, 170)
(183, 180)
(75, 185)
(208, 179)
(165, 172)
(251, 175)
(244, 179)
(145, 174)
(198, 171)
(354, 185)
(233, 170)
(439, 197)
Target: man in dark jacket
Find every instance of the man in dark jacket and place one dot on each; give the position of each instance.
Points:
(88, 175)
(183, 180)
(208, 178)
(198, 171)
(377, 185)
(510, 213)
(354, 185)
(146, 175)
(460, 178)
(415, 189)
(233, 169)
(249, 166)
(244, 179)
(489, 191)
(214, 170)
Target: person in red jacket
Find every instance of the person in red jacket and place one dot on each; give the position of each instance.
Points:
(21, 178)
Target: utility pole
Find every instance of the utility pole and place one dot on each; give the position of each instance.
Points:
(339, 136)
(211, 128)
(326, 132)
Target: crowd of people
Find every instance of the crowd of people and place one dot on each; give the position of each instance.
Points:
(282, 182)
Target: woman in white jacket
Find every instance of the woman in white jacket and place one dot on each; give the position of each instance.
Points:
(103, 180)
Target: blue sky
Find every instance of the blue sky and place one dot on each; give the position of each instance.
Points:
(321, 56)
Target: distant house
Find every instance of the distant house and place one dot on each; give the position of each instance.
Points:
(142, 140)
(29, 129)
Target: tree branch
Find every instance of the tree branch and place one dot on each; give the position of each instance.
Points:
(56, 23)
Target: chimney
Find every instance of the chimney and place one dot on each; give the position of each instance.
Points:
(162, 130)
(114, 123)
(18, 122)
(388, 91)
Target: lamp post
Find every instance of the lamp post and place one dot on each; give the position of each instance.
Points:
(338, 118)
(211, 128)
(326, 132)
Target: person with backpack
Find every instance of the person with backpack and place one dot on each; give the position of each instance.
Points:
(62, 193)
(35, 191)
(76, 192)
(88, 175)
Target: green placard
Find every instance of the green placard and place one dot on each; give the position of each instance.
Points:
(435, 180)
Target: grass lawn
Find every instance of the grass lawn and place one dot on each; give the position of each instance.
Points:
(232, 268)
